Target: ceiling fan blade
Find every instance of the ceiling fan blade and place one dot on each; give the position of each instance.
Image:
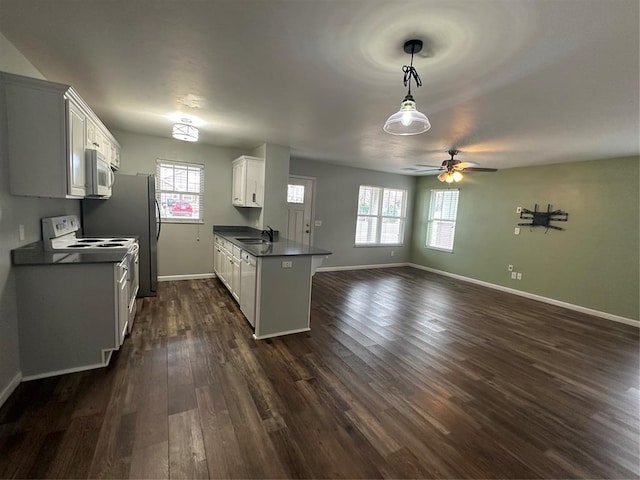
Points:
(465, 165)
(430, 166)
(479, 169)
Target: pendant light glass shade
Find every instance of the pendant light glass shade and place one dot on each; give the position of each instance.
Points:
(408, 120)
(185, 132)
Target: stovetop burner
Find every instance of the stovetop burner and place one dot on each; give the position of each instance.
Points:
(90, 240)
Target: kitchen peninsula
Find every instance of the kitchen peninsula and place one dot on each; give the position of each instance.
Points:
(270, 279)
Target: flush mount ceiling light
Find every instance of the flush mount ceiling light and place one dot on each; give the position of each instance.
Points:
(408, 121)
(185, 131)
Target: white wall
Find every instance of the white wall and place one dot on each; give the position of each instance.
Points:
(336, 206)
(16, 211)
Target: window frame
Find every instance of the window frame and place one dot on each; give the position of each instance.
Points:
(160, 162)
(380, 217)
(431, 218)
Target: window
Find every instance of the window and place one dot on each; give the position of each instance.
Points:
(295, 194)
(441, 228)
(381, 216)
(180, 191)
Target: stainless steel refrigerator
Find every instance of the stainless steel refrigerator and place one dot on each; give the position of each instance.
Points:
(132, 210)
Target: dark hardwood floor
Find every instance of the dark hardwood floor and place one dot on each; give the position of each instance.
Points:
(404, 374)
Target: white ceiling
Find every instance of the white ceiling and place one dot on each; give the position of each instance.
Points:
(508, 83)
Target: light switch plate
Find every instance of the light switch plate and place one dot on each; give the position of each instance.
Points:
(513, 275)
(516, 231)
(287, 264)
(318, 223)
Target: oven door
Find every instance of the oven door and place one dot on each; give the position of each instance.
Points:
(99, 175)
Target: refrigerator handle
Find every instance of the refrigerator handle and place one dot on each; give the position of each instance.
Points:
(159, 220)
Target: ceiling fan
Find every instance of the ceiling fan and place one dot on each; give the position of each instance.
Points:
(452, 169)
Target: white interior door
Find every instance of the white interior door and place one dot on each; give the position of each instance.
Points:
(300, 208)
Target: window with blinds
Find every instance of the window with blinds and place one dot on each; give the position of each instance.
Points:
(180, 191)
(443, 210)
(381, 216)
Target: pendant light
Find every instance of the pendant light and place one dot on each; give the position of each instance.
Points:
(408, 120)
(185, 131)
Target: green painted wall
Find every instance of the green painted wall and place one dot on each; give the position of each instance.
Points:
(594, 263)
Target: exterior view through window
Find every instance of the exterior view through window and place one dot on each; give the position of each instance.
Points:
(443, 210)
(381, 216)
(295, 194)
(179, 191)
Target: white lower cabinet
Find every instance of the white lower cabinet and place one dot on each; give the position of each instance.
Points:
(71, 316)
(229, 266)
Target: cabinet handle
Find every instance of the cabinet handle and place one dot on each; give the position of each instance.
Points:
(254, 198)
(96, 144)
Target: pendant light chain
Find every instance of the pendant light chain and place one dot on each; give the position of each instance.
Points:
(409, 73)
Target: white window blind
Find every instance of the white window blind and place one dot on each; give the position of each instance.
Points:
(180, 191)
(381, 216)
(443, 210)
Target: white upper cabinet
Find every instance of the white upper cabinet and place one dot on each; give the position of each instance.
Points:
(49, 129)
(76, 164)
(248, 182)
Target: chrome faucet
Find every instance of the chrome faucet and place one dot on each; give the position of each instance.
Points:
(269, 233)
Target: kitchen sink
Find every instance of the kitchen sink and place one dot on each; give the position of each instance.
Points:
(254, 241)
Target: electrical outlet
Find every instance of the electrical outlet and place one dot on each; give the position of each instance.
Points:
(519, 276)
(513, 275)
(510, 268)
(318, 223)
(516, 231)
(518, 209)
(287, 264)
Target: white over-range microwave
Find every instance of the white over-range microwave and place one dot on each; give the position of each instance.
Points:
(99, 175)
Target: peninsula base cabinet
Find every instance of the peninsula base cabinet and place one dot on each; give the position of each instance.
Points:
(283, 295)
(274, 292)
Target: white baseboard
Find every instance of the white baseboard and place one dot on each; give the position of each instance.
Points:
(66, 371)
(540, 298)
(279, 334)
(195, 276)
(362, 267)
(8, 390)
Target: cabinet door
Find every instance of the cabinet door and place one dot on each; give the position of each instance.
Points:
(217, 260)
(254, 184)
(235, 278)
(238, 190)
(76, 162)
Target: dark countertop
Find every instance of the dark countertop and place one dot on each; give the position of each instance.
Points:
(35, 254)
(279, 248)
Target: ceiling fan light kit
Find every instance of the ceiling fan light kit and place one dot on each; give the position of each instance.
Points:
(452, 169)
(408, 120)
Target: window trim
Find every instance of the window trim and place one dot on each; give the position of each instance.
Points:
(200, 194)
(380, 217)
(430, 219)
